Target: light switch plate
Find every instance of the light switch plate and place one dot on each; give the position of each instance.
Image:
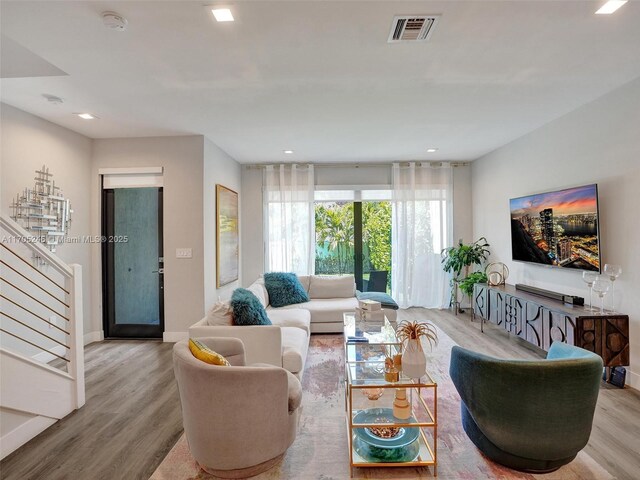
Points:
(184, 253)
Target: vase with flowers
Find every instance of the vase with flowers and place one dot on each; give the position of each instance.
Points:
(410, 334)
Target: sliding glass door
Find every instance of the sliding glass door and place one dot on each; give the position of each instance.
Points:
(335, 244)
(353, 236)
(376, 246)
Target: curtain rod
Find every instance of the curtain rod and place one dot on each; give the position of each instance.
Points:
(354, 165)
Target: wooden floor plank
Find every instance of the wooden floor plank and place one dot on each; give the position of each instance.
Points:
(132, 415)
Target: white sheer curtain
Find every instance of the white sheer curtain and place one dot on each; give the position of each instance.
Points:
(421, 228)
(289, 219)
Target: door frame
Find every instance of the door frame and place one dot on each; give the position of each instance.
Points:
(358, 254)
(111, 328)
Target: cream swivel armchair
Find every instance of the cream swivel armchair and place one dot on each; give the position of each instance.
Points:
(239, 420)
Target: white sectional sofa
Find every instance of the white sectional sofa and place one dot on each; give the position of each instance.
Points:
(285, 343)
(329, 298)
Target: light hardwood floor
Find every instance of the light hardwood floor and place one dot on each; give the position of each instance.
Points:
(130, 421)
(615, 437)
(132, 416)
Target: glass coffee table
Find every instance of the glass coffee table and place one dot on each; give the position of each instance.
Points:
(377, 334)
(376, 437)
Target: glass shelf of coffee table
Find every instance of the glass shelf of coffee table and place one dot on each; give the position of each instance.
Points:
(369, 341)
(357, 331)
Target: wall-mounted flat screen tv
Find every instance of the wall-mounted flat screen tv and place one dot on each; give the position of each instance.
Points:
(558, 228)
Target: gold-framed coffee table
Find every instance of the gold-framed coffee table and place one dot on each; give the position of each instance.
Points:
(369, 403)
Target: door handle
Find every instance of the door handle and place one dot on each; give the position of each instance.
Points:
(160, 270)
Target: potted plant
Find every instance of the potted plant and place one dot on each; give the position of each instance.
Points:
(466, 285)
(410, 334)
(457, 259)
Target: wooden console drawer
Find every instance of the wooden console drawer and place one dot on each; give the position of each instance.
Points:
(541, 321)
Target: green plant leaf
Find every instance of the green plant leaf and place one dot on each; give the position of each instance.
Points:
(456, 259)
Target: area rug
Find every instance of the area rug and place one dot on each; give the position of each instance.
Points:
(320, 450)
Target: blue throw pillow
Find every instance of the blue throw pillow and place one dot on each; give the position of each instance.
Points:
(247, 309)
(284, 289)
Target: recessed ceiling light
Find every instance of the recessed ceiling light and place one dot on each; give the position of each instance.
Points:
(610, 7)
(86, 116)
(222, 14)
(432, 150)
(288, 152)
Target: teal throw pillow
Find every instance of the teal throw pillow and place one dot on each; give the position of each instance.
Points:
(284, 289)
(247, 309)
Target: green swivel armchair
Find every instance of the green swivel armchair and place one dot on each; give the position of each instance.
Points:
(528, 415)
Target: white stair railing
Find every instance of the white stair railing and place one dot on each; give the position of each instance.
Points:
(41, 331)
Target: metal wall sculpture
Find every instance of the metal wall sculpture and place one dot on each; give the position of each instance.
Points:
(43, 210)
(497, 273)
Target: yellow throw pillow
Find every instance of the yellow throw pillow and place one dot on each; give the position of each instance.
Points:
(204, 353)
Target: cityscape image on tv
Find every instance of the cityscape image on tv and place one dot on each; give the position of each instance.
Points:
(557, 228)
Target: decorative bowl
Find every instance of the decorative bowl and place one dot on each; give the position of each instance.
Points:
(403, 446)
(373, 393)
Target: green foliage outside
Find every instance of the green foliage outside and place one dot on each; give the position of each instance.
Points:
(334, 236)
(376, 232)
(335, 242)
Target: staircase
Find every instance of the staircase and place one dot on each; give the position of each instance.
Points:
(41, 337)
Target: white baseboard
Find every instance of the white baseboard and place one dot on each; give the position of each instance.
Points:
(23, 433)
(173, 337)
(633, 380)
(92, 337)
(46, 357)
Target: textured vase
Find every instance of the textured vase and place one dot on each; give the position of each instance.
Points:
(414, 363)
(401, 407)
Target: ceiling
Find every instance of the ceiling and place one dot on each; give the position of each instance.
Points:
(319, 77)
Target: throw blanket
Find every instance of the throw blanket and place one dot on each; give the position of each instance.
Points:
(384, 298)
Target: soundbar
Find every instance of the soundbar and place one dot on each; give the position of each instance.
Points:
(570, 299)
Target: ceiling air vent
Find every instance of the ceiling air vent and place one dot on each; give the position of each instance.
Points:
(412, 28)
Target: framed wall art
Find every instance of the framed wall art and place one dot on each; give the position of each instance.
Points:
(227, 236)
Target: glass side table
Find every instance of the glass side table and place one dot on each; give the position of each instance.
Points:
(376, 437)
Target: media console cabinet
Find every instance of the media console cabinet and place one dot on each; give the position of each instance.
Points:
(541, 321)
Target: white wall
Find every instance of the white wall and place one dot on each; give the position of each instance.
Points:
(346, 175)
(597, 143)
(28, 142)
(182, 159)
(252, 212)
(462, 211)
(251, 243)
(192, 167)
(219, 168)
